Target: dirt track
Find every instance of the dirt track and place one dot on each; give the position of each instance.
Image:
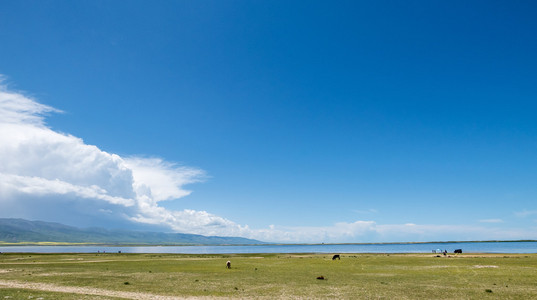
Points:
(87, 291)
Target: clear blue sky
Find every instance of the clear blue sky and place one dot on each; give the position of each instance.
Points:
(310, 116)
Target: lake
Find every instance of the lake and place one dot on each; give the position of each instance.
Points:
(467, 247)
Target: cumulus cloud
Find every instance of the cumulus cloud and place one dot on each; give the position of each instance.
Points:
(160, 180)
(49, 175)
(52, 176)
(38, 163)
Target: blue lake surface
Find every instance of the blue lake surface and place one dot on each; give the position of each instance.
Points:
(467, 247)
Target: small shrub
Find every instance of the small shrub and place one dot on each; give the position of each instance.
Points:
(488, 290)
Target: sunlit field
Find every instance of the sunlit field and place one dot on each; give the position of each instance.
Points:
(268, 276)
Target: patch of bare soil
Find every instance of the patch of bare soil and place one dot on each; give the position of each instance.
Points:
(436, 267)
(88, 291)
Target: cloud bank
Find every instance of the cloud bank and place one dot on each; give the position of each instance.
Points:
(40, 168)
(52, 176)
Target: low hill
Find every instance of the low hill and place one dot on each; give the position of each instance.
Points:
(20, 230)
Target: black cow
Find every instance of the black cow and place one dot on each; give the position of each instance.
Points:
(336, 256)
(457, 251)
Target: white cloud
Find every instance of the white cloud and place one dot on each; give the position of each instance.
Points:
(525, 213)
(39, 186)
(16, 108)
(37, 162)
(491, 221)
(163, 180)
(370, 231)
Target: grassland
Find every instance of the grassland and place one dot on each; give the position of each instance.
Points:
(267, 276)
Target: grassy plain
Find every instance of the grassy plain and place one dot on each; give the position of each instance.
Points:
(267, 276)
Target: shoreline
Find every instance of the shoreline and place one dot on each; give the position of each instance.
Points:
(527, 247)
(82, 244)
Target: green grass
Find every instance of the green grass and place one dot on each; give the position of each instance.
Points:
(378, 276)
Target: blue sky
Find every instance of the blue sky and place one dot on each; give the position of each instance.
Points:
(317, 121)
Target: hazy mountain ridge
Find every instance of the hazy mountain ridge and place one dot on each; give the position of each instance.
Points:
(20, 230)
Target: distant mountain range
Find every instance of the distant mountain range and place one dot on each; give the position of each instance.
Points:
(20, 230)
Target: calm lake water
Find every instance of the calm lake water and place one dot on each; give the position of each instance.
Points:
(467, 247)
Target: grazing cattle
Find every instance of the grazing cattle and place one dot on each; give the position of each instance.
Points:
(228, 264)
(336, 256)
(457, 251)
(320, 277)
